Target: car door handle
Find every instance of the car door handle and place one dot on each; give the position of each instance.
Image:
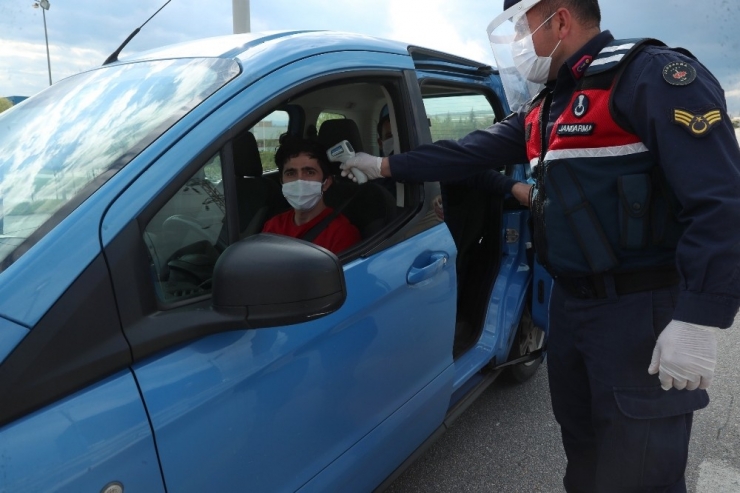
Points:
(430, 265)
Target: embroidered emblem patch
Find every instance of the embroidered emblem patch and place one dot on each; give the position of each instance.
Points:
(697, 125)
(679, 74)
(575, 129)
(580, 67)
(580, 105)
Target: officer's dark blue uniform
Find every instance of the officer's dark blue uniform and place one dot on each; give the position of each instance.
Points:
(619, 287)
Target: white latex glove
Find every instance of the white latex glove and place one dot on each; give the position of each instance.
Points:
(370, 165)
(685, 355)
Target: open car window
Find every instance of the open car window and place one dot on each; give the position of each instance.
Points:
(455, 116)
(328, 114)
(186, 236)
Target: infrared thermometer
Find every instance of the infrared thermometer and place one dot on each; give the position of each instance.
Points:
(343, 152)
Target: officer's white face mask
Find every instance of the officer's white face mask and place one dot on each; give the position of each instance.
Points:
(303, 195)
(522, 72)
(534, 68)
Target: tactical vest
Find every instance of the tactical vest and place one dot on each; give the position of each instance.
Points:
(600, 203)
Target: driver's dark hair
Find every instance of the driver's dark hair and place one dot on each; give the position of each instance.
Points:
(291, 146)
(586, 12)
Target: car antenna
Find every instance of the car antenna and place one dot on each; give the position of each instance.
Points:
(114, 56)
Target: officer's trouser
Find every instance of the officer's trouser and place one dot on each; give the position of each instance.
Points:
(621, 432)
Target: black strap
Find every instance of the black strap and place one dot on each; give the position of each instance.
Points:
(317, 228)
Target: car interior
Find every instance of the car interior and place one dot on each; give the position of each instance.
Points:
(354, 110)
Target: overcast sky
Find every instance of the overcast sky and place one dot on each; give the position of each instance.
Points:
(82, 33)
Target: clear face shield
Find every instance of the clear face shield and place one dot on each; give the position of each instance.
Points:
(511, 41)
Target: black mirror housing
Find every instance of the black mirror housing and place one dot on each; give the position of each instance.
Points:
(279, 280)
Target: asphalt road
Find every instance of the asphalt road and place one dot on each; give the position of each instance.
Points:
(508, 440)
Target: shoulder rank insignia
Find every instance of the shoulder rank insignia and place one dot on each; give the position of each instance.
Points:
(679, 74)
(697, 125)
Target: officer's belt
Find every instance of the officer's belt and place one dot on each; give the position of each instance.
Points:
(596, 286)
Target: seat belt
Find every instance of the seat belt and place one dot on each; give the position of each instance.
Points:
(317, 228)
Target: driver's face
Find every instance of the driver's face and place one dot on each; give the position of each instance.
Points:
(302, 167)
(387, 133)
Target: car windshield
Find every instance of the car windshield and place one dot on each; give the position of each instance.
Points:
(61, 145)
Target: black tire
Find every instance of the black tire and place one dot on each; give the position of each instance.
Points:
(528, 338)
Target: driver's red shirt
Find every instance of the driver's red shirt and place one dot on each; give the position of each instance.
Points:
(338, 235)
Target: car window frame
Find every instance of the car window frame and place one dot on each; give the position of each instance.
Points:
(223, 145)
(126, 252)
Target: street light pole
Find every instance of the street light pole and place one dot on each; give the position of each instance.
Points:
(44, 4)
(240, 16)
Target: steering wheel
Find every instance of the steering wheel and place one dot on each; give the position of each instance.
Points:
(195, 258)
(181, 226)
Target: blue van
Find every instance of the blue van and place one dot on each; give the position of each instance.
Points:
(152, 339)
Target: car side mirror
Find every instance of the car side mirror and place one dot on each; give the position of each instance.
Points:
(279, 280)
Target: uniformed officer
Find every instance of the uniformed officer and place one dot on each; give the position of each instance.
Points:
(635, 206)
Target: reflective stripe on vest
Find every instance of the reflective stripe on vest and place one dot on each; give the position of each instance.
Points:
(596, 152)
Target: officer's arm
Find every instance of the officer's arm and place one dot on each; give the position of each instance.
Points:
(681, 117)
(385, 168)
(449, 160)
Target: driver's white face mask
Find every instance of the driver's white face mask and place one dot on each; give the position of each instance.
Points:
(534, 68)
(388, 146)
(303, 195)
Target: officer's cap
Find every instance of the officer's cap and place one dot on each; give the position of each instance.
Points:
(526, 5)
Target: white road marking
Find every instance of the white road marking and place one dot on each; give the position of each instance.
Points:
(717, 477)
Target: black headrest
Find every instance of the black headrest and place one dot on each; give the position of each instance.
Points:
(370, 207)
(247, 161)
(334, 131)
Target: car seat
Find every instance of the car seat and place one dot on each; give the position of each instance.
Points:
(258, 198)
(369, 206)
(332, 132)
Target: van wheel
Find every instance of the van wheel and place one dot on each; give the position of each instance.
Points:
(529, 338)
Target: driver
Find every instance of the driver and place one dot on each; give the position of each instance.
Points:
(304, 174)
